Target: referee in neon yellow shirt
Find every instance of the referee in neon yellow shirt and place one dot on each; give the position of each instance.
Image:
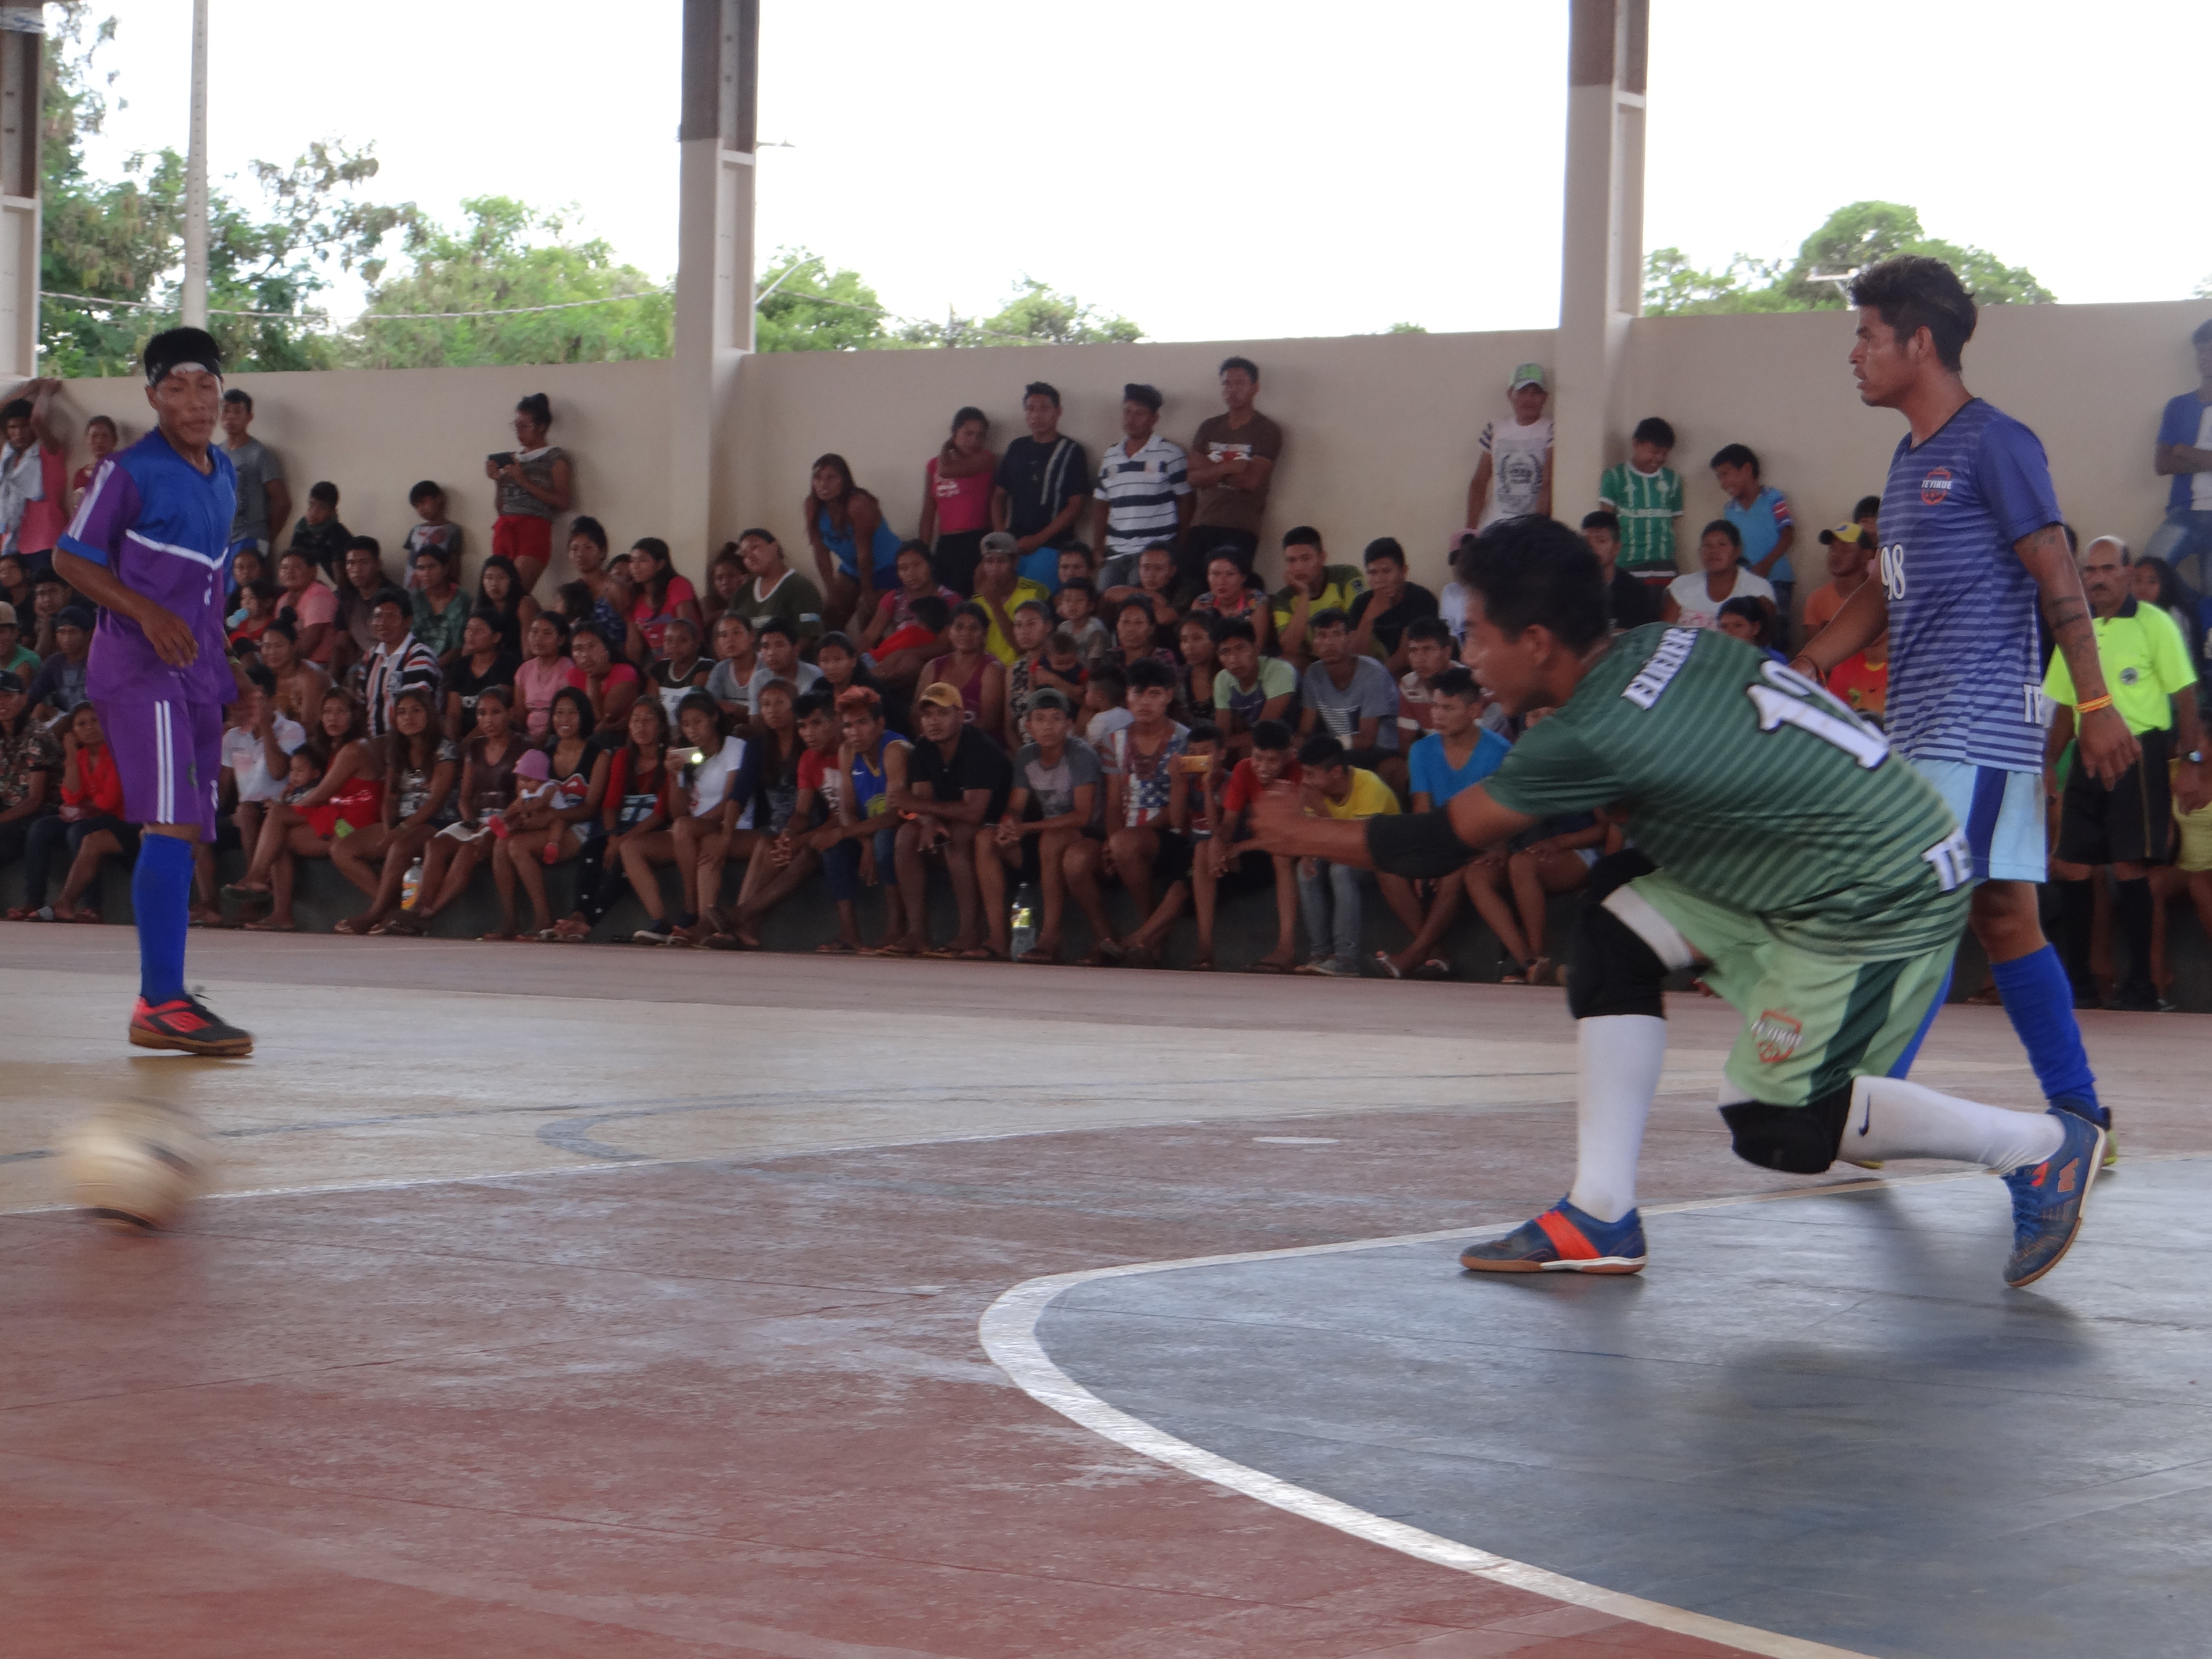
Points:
(2129, 825)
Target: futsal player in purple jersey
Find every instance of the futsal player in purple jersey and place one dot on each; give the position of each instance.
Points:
(150, 546)
(1971, 542)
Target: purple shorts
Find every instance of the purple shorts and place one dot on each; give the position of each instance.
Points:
(169, 754)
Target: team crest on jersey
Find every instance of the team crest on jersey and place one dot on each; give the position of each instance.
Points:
(2130, 674)
(1776, 1035)
(1936, 487)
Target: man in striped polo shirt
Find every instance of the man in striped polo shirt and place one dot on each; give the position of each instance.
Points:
(1144, 485)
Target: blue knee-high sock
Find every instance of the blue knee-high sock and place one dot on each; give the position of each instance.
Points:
(2040, 1002)
(161, 895)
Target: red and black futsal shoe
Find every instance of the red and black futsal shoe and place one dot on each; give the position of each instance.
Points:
(188, 1026)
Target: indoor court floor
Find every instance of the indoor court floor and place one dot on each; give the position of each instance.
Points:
(630, 1302)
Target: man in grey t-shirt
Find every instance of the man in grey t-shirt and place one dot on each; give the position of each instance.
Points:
(1349, 696)
(263, 499)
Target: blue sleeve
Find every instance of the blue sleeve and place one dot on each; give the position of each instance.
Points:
(1422, 762)
(1490, 753)
(746, 778)
(2013, 477)
(2183, 420)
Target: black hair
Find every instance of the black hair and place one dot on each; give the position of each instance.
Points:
(369, 543)
(1653, 430)
(2202, 333)
(326, 492)
(16, 409)
(1735, 455)
(687, 624)
(1236, 627)
(261, 676)
(1534, 572)
(585, 718)
(391, 595)
(261, 588)
(737, 617)
(590, 529)
(1434, 629)
(1150, 673)
(1722, 527)
(1384, 547)
(1457, 681)
(56, 576)
(1321, 750)
(816, 701)
(538, 406)
(1109, 673)
(967, 412)
(1754, 611)
(911, 544)
(769, 625)
(1203, 731)
(1910, 292)
(556, 620)
(971, 609)
(573, 601)
(2170, 593)
(1051, 697)
(1869, 506)
(500, 561)
(839, 638)
(1136, 391)
(108, 421)
(235, 395)
(1041, 389)
(173, 346)
(1327, 617)
(1080, 585)
(657, 589)
(698, 699)
(1270, 735)
(1303, 535)
(1244, 364)
(1602, 520)
(284, 625)
(931, 610)
(755, 534)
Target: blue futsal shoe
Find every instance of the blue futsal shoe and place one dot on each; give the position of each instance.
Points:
(1562, 1240)
(2047, 1198)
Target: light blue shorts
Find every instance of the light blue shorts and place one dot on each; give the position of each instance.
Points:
(2001, 813)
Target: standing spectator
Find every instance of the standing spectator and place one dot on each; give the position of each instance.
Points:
(441, 609)
(432, 530)
(59, 687)
(30, 769)
(1513, 476)
(956, 500)
(1644, 495)
(14, 656)
(1764, 529)
(1147, 807)
(499, 591)
(1695, 601)
(1456, 756)
(321, 535)
(1226, 865)
(842, 518)
(1040, 486)
(777, 590)
(1381, 616)
(34, 476)
(1428, 654)
(101, 437)
(956, 780)
(484, 661)
(973, 672)
(264, 499)
(534, 480)
(1229, 597)
(1001, 590)
(1056, 802)
(1349, 697)
(2129, 824)
(1631, 603)
(2184, 453)
(661, 596)
(1232, 462)
(1329, 893)
(363, 579)
(1144, 486)
(1312, 585)
(400, 661)
(1250, 688)
(612, 601)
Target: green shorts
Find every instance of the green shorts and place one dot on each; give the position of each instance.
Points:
(1812, 1020)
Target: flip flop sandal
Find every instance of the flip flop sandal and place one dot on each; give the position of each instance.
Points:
(940, 953)
(1382, 960)
(1039, 957)
(904, 953)
(836, 947)
(1203, 965)
(352, 927)
(1267, 968)
(981, 953)
(1434, 968)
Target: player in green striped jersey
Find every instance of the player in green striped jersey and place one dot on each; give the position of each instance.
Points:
(1818, 883)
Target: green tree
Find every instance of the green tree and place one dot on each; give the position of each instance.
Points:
(1852, 237)
(1035, 314)
(509, 256)
(810, 307)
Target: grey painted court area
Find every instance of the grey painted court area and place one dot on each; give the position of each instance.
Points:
(1823, 1416)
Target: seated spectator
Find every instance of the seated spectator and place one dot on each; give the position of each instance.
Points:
(15, 657)
(441, 609)
(89, 827)
(612, 686)
(300, 686)
(777, 590)
(431, 532)
(1866, 515)
(1695, 601)
(1040, 487)
(1312, 587)
(1863, 681)
(1105, 708)
(729, 682)
(246, 567)
(258, 746)
(901, 654)
(1228, 865)
(489, 762)
(364, 579)
(1351, 698)
(715, 772)
(500, 590)
(259, 601)
(346, 798)
(1201, 779)
(1070, 562)
(895, 610)
(955, 781)
(1143, 493)
(1232, 462)
(1644, 495)
(1329, 893)
(2190, 875)
(398, 662)
(1230, 598)
(15, 585)
(30, 769)
(1631, 602)
(1765, 530)
(660, 596)
(679, 670)
(840, 519)
(1147, 809)
(1555, 857)
(313, 606)
(422, 769)
(750, 827)
(1513, 474)
(726, 579)
(2183, 452)
(1250, 688)
(101, 438)
(321, 536)
(536, 680)
(1753, 622)
(1428, 654)
(1200, 668)
(859, 847)
(1032, 628)
(1056, 802)
(1076, 605)
(608, 583)
(59, 687)
(1137, 636)
(1391, 604)
(1457, 754)
(533, 481)
(971, 670)
(556, 823)
(776, 648)
(781, 865)
(50, 597)
(1000, 592)
(1850, 559)
(1155, 584)
(956, 501)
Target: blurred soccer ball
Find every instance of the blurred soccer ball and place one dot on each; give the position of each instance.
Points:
(135, 1165)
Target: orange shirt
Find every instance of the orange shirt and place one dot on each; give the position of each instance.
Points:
(1820, 607)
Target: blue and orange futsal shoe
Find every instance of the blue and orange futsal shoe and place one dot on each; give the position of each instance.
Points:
(188, 1026)
(2046, 1198)
(1562, 1240)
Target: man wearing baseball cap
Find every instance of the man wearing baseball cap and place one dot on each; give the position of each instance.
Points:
(1850, 551)
(15, 655)
(956, 780)
(1513, 475)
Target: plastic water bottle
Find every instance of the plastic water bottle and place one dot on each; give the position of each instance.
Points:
(1022, 919)
(410, 884)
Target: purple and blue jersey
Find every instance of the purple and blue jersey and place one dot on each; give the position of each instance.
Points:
(1965, 675)
(2187, 420)
(163, 527)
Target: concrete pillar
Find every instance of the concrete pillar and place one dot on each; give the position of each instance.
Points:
(22, 39)
(714, 260)
(1601, 263)
(196, 189)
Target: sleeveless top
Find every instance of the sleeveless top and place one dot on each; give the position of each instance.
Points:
(495, 778)
(971, 692)
(537, 465)
(870, 784)
(573, 789)
(884, 547)
(358, 804)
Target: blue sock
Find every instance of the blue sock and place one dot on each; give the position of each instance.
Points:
(161, 897)
(2039, 1001)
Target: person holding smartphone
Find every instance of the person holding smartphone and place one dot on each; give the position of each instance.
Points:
(534, 490)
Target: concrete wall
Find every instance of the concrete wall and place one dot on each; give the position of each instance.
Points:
(1382, 429)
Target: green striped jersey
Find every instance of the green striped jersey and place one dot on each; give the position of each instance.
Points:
(1647, 504)
(1754, 786)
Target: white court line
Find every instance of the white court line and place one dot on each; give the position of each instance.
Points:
(1008, 1331)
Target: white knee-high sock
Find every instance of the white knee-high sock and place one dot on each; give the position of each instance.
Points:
(1620, 1056)
(1891, 1118)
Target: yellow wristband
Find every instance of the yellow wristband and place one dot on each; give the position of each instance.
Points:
(2092, 705)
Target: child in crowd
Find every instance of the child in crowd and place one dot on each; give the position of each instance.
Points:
(730, 682)
(1062, 668)
(320, 535)
(1645, 495)
(1076, 605)
(252, 619)
(899, 657)
(432, 530)
(679, 670)
(1105, 696)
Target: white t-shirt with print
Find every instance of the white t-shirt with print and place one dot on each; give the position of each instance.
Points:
(243, 753)
(1516, 467)
(1701, 609)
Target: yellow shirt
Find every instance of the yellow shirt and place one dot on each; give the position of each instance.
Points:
(1371, 798)
(995, 641)
(2145, 662)
(2195, 852)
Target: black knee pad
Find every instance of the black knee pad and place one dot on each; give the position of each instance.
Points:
(1796, 1140)
(1612, 970)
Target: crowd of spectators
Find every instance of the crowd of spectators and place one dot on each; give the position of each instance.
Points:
(1071, 679)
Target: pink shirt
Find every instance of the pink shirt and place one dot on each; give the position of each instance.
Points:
(317, 605)
(537, 684)
(963, 504)
(44, 520)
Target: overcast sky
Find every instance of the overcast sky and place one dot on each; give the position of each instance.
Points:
(1309, 168)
